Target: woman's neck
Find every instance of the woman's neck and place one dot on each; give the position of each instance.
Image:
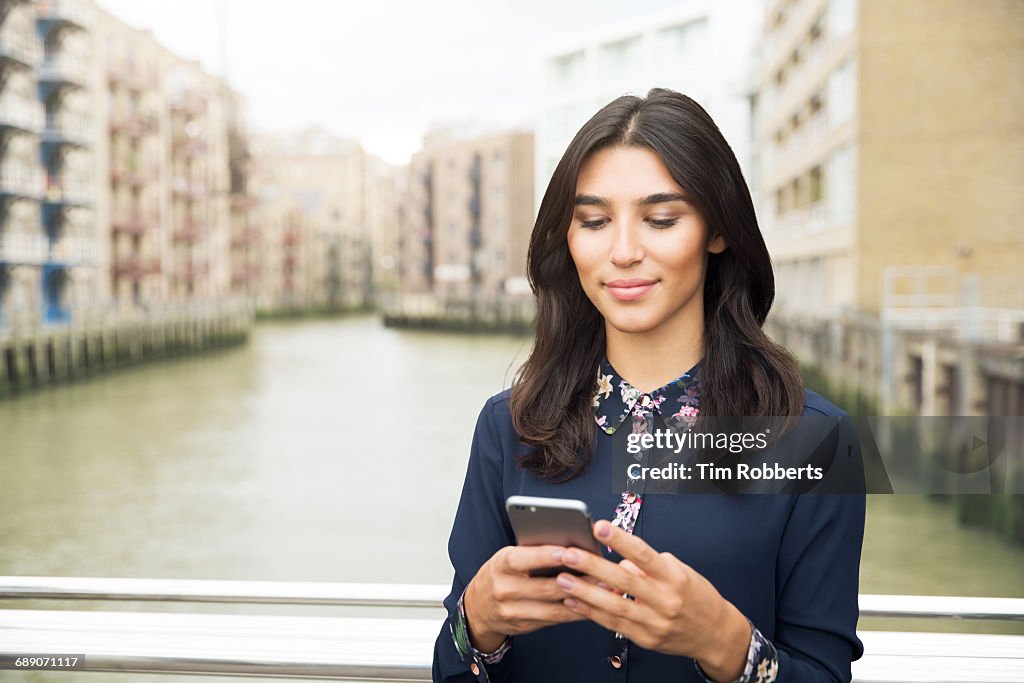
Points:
(649, 361)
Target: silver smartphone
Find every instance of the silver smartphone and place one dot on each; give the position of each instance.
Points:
(552, 521)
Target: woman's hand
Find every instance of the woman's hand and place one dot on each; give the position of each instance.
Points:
(676, 610)
(503, 600)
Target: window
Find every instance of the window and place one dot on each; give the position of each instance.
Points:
(683, 42)
(815, 185)
(841, 17)
(842, 93)
(567, 70)
(816, 283)
(618, 58)
(842, 187)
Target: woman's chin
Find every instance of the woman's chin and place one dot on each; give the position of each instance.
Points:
(632, 324)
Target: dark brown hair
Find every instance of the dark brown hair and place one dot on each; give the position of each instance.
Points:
(744, 373)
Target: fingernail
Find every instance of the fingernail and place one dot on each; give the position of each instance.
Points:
(570, 603)
(557, 555)
(604, 530)
(571, 557)
(565, 581)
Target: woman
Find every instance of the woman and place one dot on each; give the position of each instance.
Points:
(651, 275)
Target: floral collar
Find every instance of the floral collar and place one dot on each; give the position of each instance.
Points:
(615, 398)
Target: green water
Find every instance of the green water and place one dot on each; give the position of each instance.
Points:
(325, 451)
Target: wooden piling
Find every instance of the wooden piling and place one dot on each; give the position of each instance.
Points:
(32, 355)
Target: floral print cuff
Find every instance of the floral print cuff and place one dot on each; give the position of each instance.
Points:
(762, 661)
(460, 635)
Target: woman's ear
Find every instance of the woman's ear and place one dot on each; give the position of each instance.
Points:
(716, 245)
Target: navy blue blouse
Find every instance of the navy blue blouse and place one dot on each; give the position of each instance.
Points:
(788, 562)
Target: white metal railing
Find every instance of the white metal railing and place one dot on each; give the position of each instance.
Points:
(250, 592)
(19, 247)
(24, 47)
(64, 68)
(78, 11)
(76, 131)
(937, 298)
(401, 648)
(17, 179)
(22, 113)
(78, 250)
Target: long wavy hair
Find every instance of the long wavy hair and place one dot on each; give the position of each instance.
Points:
(744, 373)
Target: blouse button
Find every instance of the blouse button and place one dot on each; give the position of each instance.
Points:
(615, 661)
(475, 669)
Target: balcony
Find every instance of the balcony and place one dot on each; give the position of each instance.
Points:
(21, 49)
(22, 185)
(135, 266)
(188, 191)
(69, 195)
(64, 14)
(141, 81)
(74, 251)
(188, 103)
(22, 115)
(800, 148)
(245, 274)
(779, 101)
(23, 249)
(134, 177)
(134, 125)
(803, 220)
(133, 223)
(71, 134)
(241, 202)
(62, 70)
(190, 272)
(245, 237)
(189, 231)
(189, 147)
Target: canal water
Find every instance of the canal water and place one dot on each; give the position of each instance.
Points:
(324, 451)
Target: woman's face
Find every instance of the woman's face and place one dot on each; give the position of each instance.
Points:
(639, 246)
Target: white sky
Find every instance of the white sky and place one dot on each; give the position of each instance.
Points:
(381, 71)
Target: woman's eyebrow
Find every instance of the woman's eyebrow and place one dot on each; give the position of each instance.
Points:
(658, 198)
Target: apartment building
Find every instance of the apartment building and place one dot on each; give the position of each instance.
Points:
(47, 189)
(385, 186)
(174, 153)
(889, 137)
(122, 170)
(325, 179)
(283, 252)
(701, 48)
(246, 239)
(468, 215)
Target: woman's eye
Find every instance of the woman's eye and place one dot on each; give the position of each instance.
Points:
(593, 225)
(663, 223)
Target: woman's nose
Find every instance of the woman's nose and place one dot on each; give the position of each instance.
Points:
(626, 248)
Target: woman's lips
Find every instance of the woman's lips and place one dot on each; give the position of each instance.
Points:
(628, 290)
